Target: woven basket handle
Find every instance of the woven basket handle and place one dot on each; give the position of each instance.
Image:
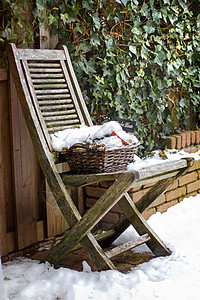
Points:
(78, 145)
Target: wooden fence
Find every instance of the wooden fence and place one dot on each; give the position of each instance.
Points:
(28, 212)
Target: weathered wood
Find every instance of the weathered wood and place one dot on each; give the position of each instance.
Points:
(43, 54)
(91, 217)
(48, 80)
(77, 89)
(127, 246)
(3, 76)
(57, 101)
(162, 168)
(162, 185)
(140, 224)
(25, 166)
(53, 91)
(50, 86)
(71, 181)
(39, 65)
(47, 75)
(56, 223)
(6, 217)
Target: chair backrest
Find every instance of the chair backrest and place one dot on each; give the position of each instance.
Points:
(46, 82)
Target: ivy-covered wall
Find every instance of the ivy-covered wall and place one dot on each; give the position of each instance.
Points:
(136, 59)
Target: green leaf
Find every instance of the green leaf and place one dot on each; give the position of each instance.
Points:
(64, 17)
(95, 39)
(40, 4)
(96, 20)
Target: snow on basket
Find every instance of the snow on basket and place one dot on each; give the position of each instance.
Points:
(96, 149)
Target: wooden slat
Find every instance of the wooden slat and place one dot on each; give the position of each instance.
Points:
(165, 167)
(54, 101)
(58, 107)
(127, 246)
(58, 128)
(61, 117)
(50, 86)
(57, 96)
(50, 75)
(34, 54)
(48, 80)
(44, 70)
(56, 91)
(68, 120)
(53, 113)
(38, 64)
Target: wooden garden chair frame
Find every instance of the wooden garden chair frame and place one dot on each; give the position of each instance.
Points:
(51, 100)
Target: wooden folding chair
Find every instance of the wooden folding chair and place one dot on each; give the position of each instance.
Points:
(51, 100)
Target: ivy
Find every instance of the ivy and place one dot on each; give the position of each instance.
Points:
(136, 59)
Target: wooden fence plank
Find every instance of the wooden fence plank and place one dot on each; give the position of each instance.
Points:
(6, 196)
(56, 223)
(25, 176)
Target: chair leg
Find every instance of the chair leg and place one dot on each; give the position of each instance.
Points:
(79, 232)
(140, 224)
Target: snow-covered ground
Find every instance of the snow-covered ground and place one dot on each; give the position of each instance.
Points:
(165, 278)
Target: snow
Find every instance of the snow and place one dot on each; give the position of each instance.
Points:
(109, 134)
(157, 158)
(173, 277)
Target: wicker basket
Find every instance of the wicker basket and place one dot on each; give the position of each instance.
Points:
(85, 160)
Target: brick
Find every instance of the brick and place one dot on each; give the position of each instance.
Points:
(94, 191)
(194, 186)
(111, 218)
(116, 208)
(189, 195)
(137, 195)
(183, 139)
(89, 202)
(188, 138)
(164, 207)
(189, 177)
(158, 201)
(173, 194)
(191, 149)
(134, 189)
(195, 166)
(197, 136)
(178, 141)
(174, 186)
(192, 137)
(148, 213)
(170, 142)
(145, 186)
